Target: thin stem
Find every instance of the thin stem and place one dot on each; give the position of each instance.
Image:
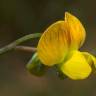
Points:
(18, 41)
(26, 48)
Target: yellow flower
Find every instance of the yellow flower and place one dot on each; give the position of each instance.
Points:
(59, 44)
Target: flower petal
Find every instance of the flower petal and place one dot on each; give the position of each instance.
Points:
(77, 30)
(90, 58)
(53, 44)
(76, 67)
(59, 38)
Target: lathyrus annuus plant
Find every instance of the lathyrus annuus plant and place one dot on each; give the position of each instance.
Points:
(58, 48)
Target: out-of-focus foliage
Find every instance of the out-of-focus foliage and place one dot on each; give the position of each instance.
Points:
(21, 17)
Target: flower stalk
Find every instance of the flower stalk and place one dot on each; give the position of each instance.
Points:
(13, 45)
(25, 48)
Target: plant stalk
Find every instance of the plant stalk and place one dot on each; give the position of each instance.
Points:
(25, 48)
(18, 41)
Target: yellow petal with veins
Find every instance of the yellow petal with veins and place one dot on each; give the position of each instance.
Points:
(77, 30)
(53, 44)
(76, 67)
(59, 38)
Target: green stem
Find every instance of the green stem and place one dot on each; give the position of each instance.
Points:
(18, 41)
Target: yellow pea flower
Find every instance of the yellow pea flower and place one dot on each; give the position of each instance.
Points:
(59, 44)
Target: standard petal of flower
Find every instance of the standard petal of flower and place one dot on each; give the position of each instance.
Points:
(76, 67)
(53, 44)
(77, 30)
(90, 58)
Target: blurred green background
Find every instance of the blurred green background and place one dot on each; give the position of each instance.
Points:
(22, 17)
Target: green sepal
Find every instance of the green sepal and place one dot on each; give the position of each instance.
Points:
(59, 73)
(35, 67)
